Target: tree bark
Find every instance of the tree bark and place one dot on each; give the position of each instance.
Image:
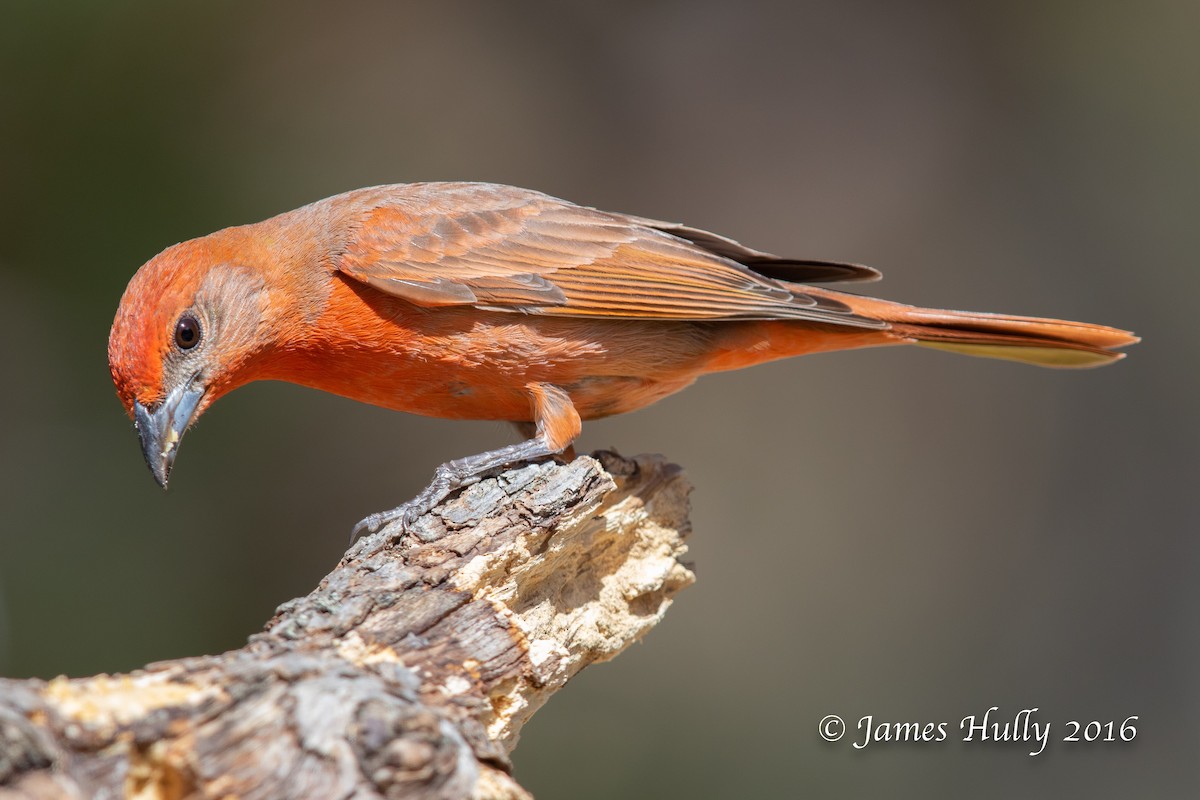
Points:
(408, 672)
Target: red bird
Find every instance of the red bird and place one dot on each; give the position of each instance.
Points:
(480, 301)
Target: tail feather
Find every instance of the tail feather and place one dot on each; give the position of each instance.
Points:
(1032, 340)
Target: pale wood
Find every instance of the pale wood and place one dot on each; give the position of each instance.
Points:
(408, 672)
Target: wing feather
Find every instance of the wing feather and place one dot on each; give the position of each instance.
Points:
(507, 249)
(804, 270)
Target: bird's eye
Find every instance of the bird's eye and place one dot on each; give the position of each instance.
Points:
(187, 332)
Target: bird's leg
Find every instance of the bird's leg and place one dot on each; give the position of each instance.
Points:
(528, 430)
(555, 425)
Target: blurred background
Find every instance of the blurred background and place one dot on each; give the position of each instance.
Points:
(899, 533)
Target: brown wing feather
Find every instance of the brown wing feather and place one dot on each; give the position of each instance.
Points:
(797, 270)
(507, 249)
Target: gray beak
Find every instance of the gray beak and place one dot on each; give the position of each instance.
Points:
(160, 430)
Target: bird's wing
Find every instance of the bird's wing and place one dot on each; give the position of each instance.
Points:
(504, 249)
(798, 270)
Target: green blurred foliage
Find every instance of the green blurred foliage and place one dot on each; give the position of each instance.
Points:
(902, 534)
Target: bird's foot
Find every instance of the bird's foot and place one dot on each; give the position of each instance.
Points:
(446, 480)
(449, 478)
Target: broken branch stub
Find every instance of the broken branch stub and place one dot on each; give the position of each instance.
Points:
(408, 672)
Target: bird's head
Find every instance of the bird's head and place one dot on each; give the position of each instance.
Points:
(189, 326)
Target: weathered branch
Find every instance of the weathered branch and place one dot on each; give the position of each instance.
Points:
(408, 672)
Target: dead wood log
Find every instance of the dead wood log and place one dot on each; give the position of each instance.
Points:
(408, 672)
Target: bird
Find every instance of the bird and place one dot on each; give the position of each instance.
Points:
(483, 301)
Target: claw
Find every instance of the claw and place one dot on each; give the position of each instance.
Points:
(367, 525)
(408, 514)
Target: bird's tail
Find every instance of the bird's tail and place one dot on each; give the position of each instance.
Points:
(1032, 340)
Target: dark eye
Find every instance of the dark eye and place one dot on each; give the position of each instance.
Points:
(187, 332)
